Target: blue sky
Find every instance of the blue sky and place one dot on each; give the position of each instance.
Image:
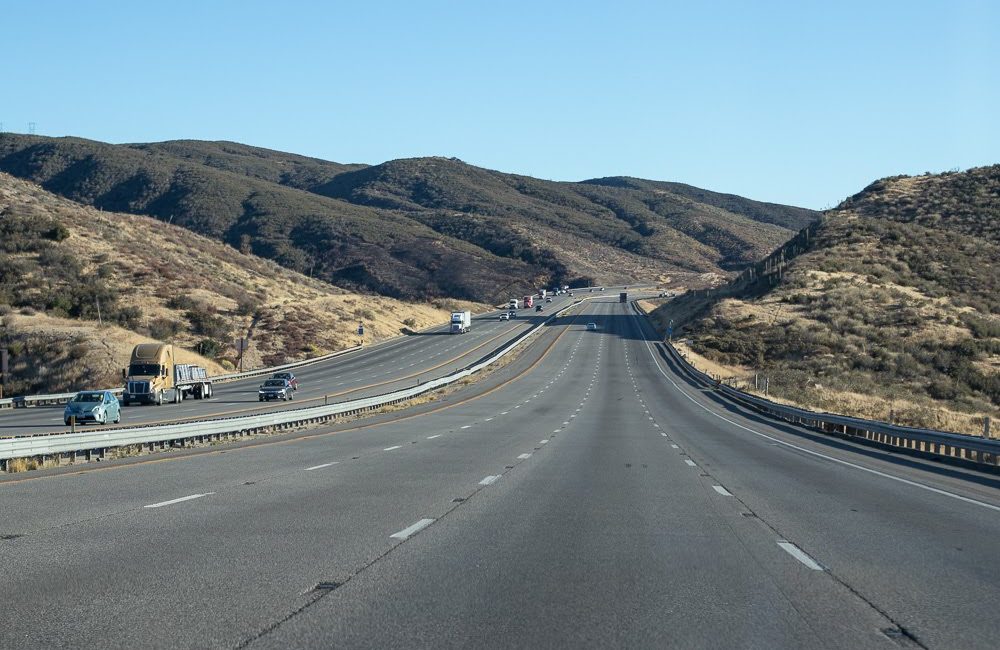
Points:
(794, 102)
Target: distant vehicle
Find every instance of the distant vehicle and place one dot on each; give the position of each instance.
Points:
(538, 308)
(548, 300)
(623, 296)
(152, 372)
(275, 389)
(528, 302)
(542, 293)
(513, 304)
(287, 376)
(601, 289)
(98, 406)
(591, 326)
(565, 287)
(570, 294)
(461, 322)
(504, 316)
(512, 314)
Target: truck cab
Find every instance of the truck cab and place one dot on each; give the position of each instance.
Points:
(152, 375)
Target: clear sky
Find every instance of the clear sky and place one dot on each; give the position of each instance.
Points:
(800, 102)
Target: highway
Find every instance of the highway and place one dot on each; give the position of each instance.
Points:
(379, 368)
(583, 495)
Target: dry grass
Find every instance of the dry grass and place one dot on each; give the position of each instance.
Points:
(151, 263)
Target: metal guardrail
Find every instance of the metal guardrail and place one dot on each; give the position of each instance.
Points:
(943, 443)
(95, 444)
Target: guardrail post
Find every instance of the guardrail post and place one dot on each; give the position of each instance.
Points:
(72, 424)
(986, 427)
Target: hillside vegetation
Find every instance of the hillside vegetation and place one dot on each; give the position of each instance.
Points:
(420, 228)
(80, 286)
(888, 307)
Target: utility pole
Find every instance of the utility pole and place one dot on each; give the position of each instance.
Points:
(3, 369)
(31, 128)
(100, 321)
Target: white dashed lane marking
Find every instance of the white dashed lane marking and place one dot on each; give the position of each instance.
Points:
(309, 469)
(408, 532)
(173, 501)
(799, 555)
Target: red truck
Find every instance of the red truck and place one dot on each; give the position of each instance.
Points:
(527, 301)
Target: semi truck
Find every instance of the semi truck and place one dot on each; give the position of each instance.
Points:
(152, 376)
(514, 303)
(527, 302)
(623, 296)
(461, 322)
(542, 293)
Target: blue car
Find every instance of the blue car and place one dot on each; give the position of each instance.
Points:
(99, 406)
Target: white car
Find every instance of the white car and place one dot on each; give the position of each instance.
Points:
(505, 316)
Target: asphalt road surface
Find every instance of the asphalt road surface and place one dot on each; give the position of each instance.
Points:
(584, 495)
(380, 368)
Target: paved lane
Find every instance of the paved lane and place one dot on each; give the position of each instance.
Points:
(584, 495)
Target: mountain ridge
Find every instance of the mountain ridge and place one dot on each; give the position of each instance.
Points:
(412, 228)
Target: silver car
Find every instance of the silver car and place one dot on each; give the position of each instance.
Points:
(99, 406)
(275, 389)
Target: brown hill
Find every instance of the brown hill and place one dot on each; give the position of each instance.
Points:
(888, 307)
(419, 228)
(64, 266)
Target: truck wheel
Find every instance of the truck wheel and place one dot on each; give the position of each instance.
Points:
(159, 397)
(290, 396)
(211, 390)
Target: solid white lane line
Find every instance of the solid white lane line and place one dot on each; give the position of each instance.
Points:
(543, 442)
(408, 532)
(799, 555)
(674, 447)
(488, 480)
(173, 501)
(721, 490)
(663, 433)
(523, 456)
(817, 454)
(505, 413)
(393, 447)
(489, 419)
(467, 426)
(434, 436)
(309, 469)
(690, 462)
